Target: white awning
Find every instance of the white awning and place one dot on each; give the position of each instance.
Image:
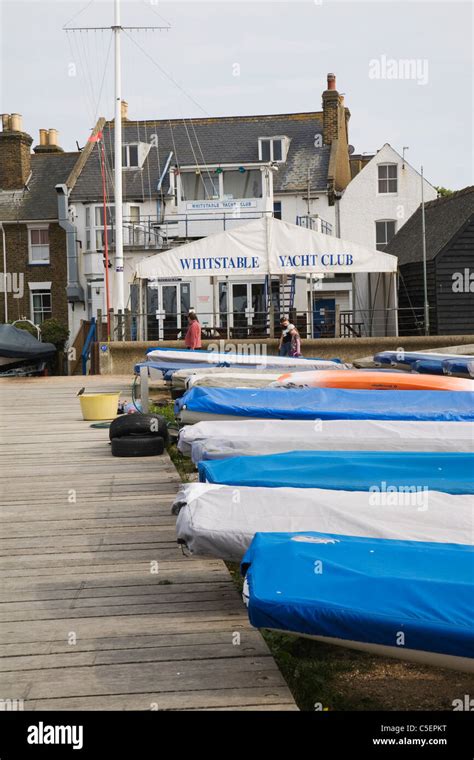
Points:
(266, 246)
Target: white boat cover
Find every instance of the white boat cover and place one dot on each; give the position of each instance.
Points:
(181, 359)
(181, 379)
(221, 521)
(235, 379)
(236, 437)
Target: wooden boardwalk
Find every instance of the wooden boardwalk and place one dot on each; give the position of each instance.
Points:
(84, 623)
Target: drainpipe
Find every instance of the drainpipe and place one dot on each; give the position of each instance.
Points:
(5, 289)
(74, 290)
(160, 182)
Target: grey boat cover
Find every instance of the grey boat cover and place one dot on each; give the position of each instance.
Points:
(221, 521)
(221, 439)
(20, 344)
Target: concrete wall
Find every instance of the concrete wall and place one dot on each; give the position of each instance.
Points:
(120, 358)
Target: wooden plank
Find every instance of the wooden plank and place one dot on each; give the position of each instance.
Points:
(177, 639)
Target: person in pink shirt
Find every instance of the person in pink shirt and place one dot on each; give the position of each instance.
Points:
(295, 347)
(192, 338)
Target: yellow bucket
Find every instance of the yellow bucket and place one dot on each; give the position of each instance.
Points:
(99, 406)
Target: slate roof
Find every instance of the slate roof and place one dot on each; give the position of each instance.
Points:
(213, 141)
(40, 200)
(443, 218)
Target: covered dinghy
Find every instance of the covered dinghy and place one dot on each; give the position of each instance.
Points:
(19, 347)
(409, 359)
(323, 404)
(449, 472)
(181, 359)
(406, 599)
(227, 438)
(212, 521)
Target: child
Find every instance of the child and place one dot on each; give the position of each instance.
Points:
(295, 345)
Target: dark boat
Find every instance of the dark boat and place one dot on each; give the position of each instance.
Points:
(21, 352)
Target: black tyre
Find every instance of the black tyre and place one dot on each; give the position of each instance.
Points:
(136, 446)
(139, 424)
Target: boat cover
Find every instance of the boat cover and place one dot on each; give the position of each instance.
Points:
(274, 436)
(449, 472)
(20, 344)
(460, 367)
(234, 379)
(181, 377)
(409, 358)
(183, 358)
(364, 589)
(327, 403)
(221, 521)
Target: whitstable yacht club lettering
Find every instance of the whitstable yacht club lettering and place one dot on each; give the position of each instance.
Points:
(298, 261)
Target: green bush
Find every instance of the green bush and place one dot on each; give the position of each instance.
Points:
(55, 332)
(28, 327)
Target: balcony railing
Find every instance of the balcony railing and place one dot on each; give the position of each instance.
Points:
(236, 325)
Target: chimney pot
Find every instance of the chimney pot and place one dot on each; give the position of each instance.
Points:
(6, 122)
(43, 133)
(124, 109)
(16, 122)
(331, 81)
(53, 137)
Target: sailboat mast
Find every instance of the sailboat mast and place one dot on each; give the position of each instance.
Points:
(119, 274)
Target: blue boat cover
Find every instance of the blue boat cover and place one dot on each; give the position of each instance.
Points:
(364, 589)
(329, 404)
(459, 367)
(409, 358)
(428, 367)
(449, 472)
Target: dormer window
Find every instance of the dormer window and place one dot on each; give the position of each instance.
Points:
(273, 149)
(133, 155)
(130, 156)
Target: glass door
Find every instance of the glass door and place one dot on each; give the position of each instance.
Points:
(258, 318)
(169, 304)
(239, 310)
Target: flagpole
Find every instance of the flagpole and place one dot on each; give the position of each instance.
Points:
(425, 277)
(119, 274)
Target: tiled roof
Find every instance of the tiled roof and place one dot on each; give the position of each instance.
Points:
(443, 218)
(223, 140)
(40, 200)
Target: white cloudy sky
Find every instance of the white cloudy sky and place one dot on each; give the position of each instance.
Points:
(284, 50)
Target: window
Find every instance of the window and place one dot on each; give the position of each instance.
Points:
(384, 232)
(39, 245)
(99, 230)
(388, 182)
(277, 209)
(130, 156)
(40, 306)
(242, 184)
(272, 148)
(199, 186)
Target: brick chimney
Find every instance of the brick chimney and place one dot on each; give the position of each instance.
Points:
(48, 142)
(15, 155)
(335, 115)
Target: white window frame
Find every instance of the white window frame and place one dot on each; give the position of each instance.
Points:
(384, 221)
(126, 164)
(42, 262)
(284, 148)
(93, 229)
(386, 179)
(34, 288)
